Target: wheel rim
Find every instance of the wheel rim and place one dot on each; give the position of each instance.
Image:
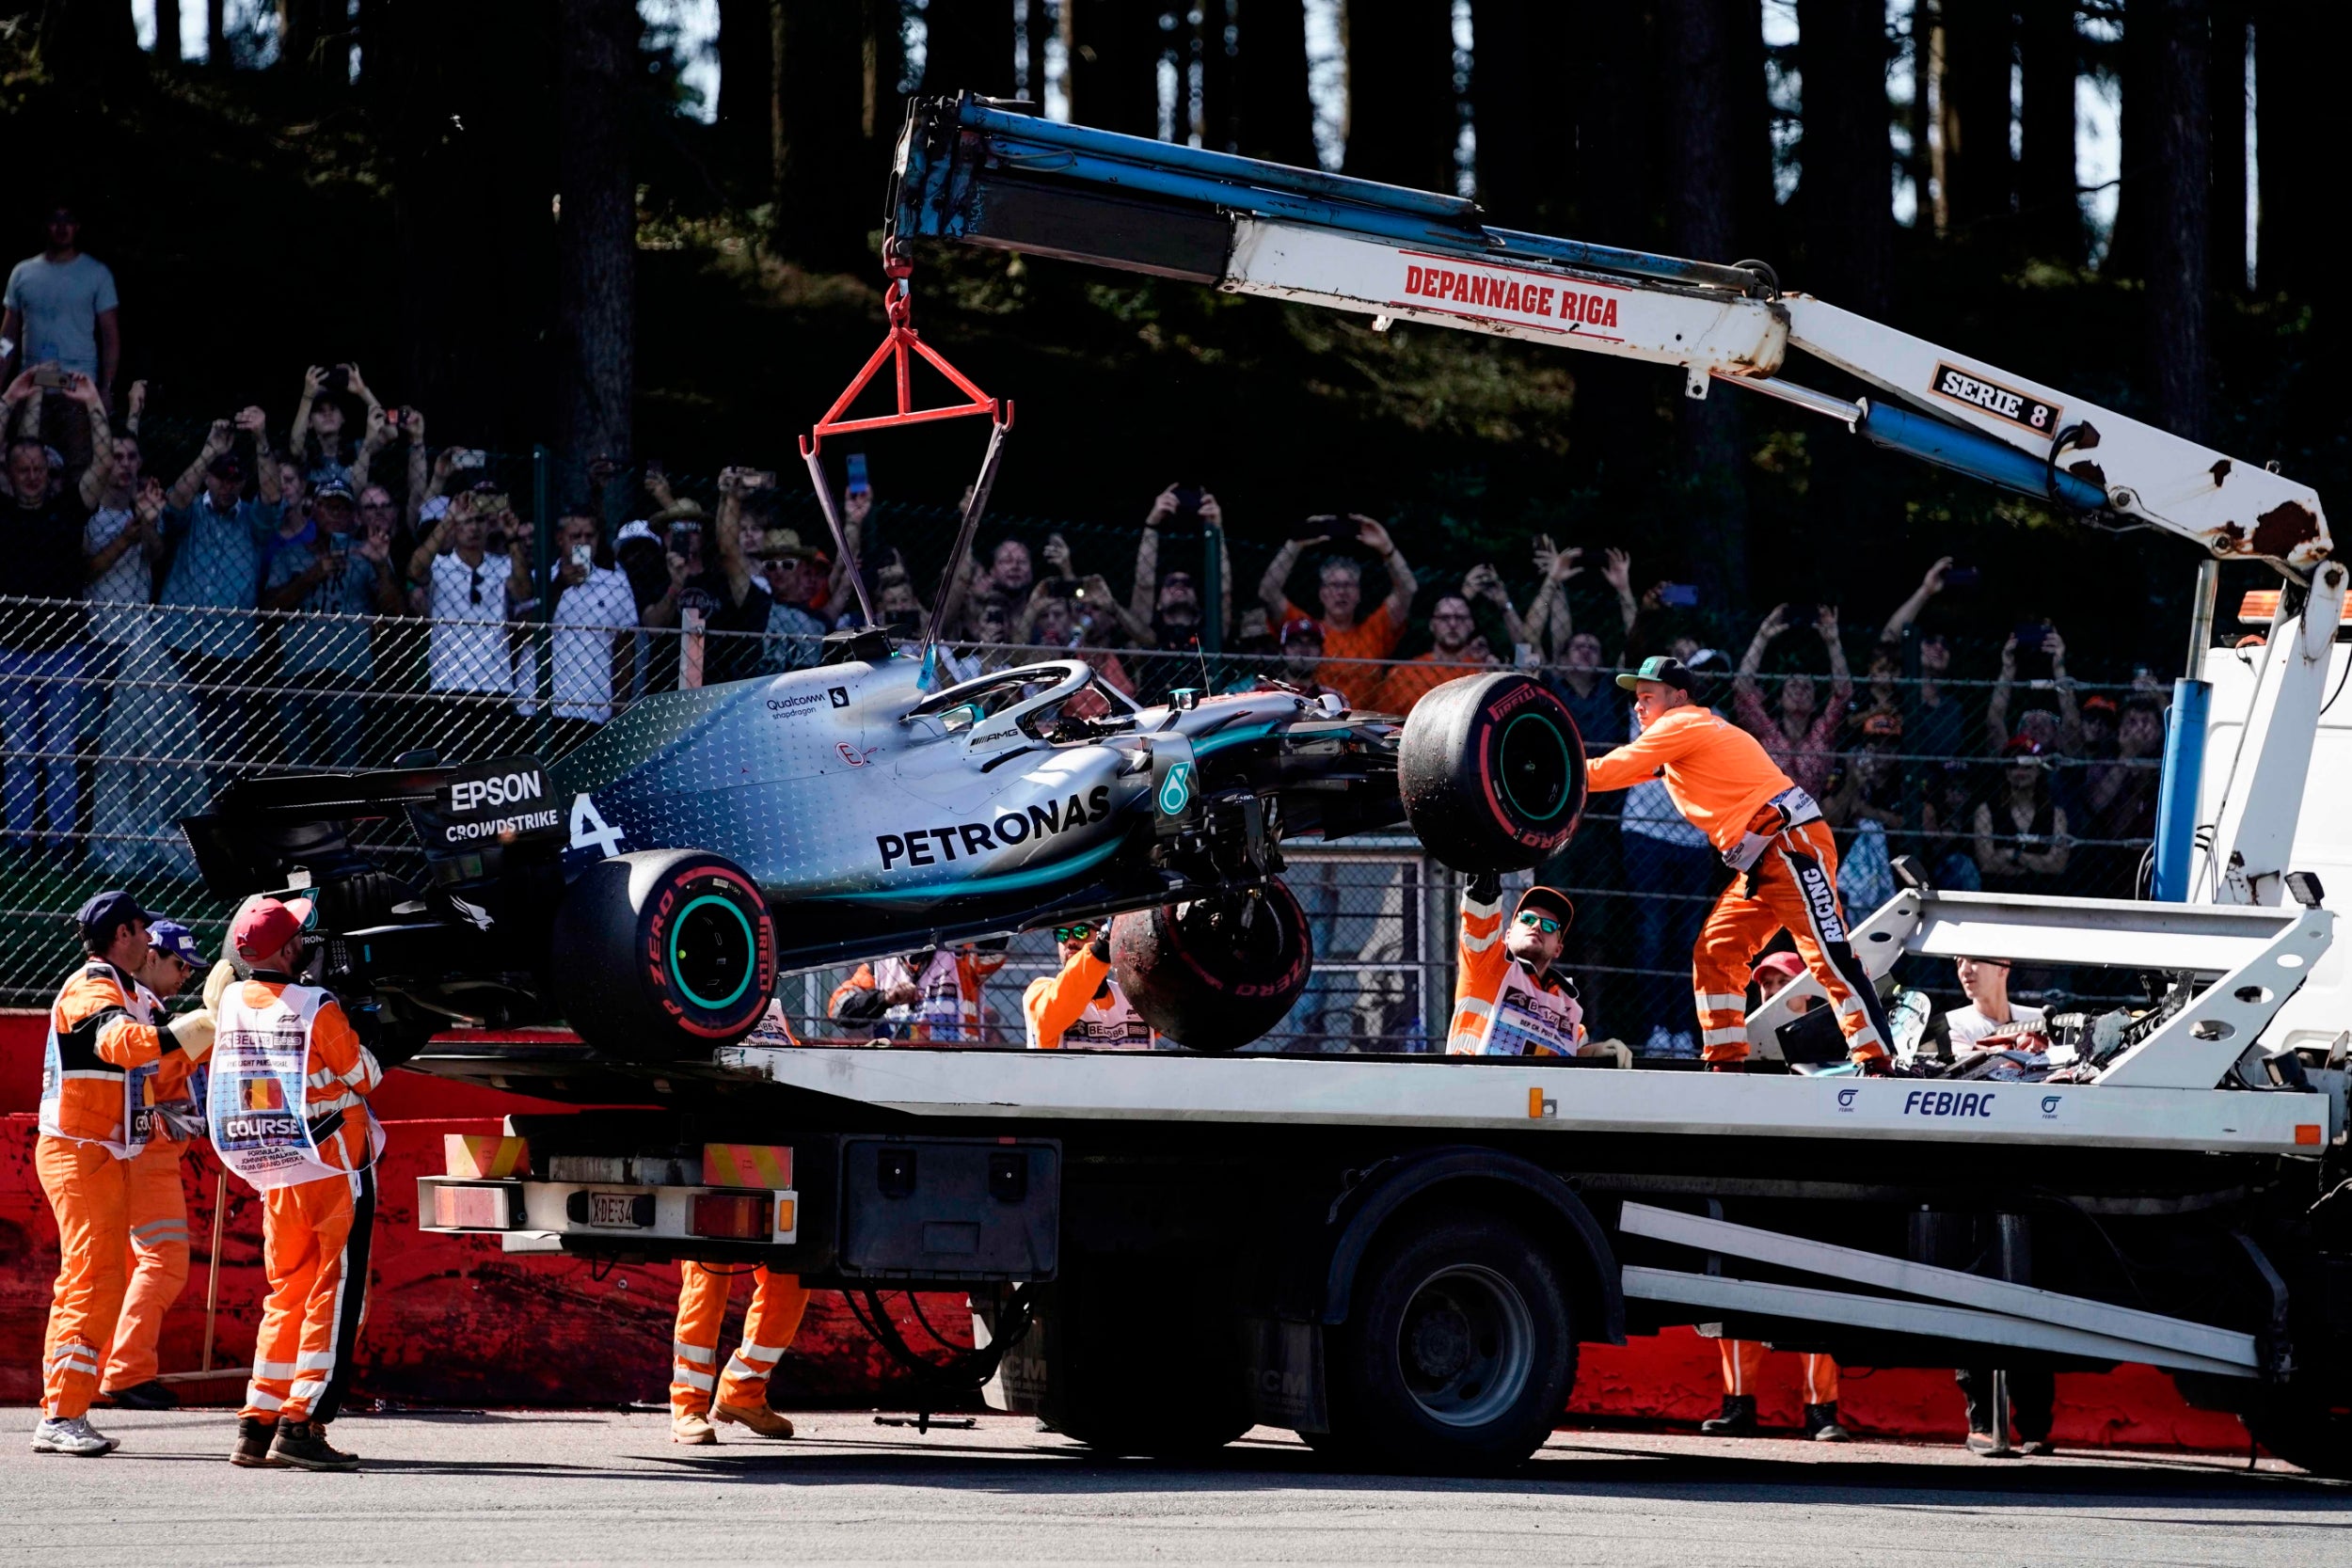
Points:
(713, 952)
(1465, 1346)
(1536, 768)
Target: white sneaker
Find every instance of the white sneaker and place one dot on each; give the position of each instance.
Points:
(74, 1436)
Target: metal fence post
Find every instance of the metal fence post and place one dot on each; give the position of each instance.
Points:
(1212, 591)
(542, 555)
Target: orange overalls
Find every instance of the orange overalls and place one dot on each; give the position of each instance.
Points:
(158, 1213)
(1083, 1008)
(1500, 1008)
(1766, 828)
(778, 1300)
(281, 1045)
(949, 1011)
(1745, 1358)
(101, 1054)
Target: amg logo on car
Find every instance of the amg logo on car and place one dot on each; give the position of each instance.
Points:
(499, 789)
(1991, 396)
(1947, 1102)
(914, 847)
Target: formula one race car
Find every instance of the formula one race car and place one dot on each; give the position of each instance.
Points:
(649, 886)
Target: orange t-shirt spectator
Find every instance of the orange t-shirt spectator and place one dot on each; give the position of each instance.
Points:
(1345, 638)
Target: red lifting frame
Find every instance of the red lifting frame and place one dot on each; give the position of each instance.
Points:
(894, 347)
(903, 337)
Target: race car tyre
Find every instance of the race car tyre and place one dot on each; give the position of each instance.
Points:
(1458, 1352)
(1492, 772)
(663, 955)
(1214, 974)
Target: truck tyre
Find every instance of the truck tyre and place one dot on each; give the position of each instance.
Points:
(2305, 1432)
(1458, 1351)
(1491, 769)
(1214, 974)
(663, 955)
(1143, 1358)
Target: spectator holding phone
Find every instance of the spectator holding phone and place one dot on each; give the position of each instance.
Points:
(796, 577)
(2041, 639)
(44, 652)
(1346, 640)
(1802, 738)
(342, 575)
(319, 441)
(1169, 604)
(722, 595)
(474, 583)
(60, 311)
(218, 535)
(593, 643)
(2022, 842)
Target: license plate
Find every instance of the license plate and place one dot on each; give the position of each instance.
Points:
(614, 1209)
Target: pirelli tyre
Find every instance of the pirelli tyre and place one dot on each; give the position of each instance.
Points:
(663, 955)
(1492, 772)
(1214, 974)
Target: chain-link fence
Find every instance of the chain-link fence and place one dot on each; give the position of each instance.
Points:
(121, 718)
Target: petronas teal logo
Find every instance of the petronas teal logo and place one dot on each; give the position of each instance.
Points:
(1176, 790)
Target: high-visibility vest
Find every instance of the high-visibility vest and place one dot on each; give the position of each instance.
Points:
(1111, 1022)
(75, 1056)
(258, 1101)
(1521, 1019)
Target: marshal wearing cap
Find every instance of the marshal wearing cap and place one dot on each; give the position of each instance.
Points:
(1661, 668)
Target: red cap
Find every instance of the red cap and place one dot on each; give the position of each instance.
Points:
(1298, 626)
(266, 925)
(1785, 964)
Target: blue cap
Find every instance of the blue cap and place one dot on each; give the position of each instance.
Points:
(100, 917)
(169, 936)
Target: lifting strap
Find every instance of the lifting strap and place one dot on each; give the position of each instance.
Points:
(901, 338)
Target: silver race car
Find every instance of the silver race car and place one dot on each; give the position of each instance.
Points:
(650, 886)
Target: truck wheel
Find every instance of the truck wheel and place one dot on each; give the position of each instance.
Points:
(1143, 1358)
(1492, 772)
(1458, 1353)
(663, 955)
(1214, 974)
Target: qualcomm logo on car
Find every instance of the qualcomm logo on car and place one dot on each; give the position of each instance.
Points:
(1176, 790)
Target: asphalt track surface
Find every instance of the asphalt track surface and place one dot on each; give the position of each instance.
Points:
(510, 1488)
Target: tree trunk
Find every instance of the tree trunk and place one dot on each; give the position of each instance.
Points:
(1698, 42)
(1978, 162)
(1528, 169)
(331, 54)
(882, 109)
(2226, 99)
(1277, 118)
(825, 201)
(1035, 26)
(1220, 109)
(166, 32)
(747, 48)
(297, 35)
(1927, 159)
(1846, 192)
(90, 45)
(2128, 240)
(1402, 120)
(2049, 210)
(969, 48)
(1113, 47)
(2295, 44)
(596, 234)
(2178, 231)
(1613, 95)
(216, 35)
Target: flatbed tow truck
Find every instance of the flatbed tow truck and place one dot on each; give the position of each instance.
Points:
(1398, 1256)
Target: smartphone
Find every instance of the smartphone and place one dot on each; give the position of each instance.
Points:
(466, 457)
(1682, 595)
(1188, 501)
(51, 378)
(1063, 588)
(339, 379)
(582, 555)
(1962, 577)
(2029, 636)
(857, 474)
(764, 480)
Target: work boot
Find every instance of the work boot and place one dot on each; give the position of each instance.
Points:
(304, 1445)
(756, 1416)
(2037, 1448)
(1737, 1421)
(691, 1427)
(73, 1435)
(1985, 1446)
(1820, 1424)
(254, 1436)
(150, 1394)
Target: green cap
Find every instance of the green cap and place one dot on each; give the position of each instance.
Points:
(1662, 668)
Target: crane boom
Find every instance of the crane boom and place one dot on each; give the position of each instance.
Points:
(973, 172)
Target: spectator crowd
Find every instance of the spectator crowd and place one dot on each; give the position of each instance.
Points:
(336, 590)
